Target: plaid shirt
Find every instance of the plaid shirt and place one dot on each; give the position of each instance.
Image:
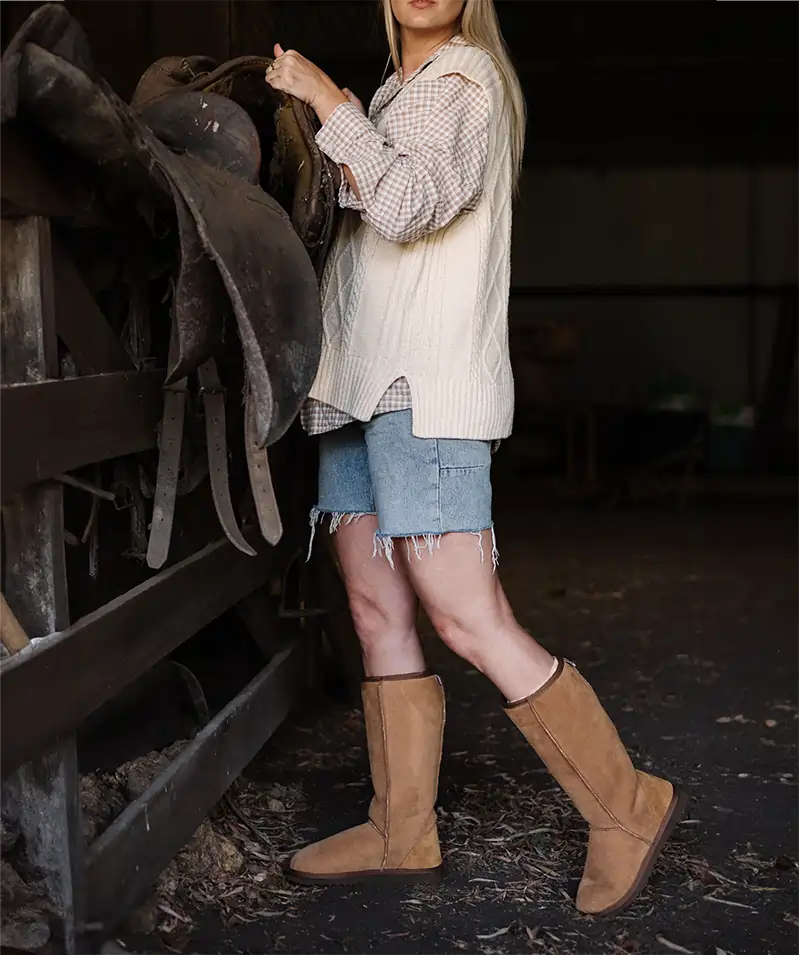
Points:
(429, 172)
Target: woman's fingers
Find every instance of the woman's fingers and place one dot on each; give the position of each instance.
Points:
(274, 67)
(294, 74)
(271, 74)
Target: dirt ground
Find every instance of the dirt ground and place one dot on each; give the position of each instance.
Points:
(686, 624)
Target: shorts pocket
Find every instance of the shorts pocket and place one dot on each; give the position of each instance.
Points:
(457, 454)
(465, 499)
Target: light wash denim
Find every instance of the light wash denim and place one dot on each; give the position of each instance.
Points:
(419, 488)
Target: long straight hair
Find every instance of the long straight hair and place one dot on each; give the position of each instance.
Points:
(481, 28)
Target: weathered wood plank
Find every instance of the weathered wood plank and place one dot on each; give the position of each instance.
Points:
(79, 322)
(42, 796)
(125, 860)
(77, 670)
(54, 426)
(27, 328)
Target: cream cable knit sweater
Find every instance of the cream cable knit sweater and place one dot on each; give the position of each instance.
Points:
(434, 310)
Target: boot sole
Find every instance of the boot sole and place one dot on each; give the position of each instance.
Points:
(391, 876)
(676, 812)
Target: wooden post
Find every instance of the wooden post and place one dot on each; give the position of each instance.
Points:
(12, 635)
(42, 796)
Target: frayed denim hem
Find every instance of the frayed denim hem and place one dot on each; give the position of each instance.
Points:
(337, 519)
(384, 545)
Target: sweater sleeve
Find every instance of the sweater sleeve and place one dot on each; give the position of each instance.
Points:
(432, 171)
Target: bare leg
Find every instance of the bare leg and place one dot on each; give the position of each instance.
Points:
(382, 602)
(404, 721)
(630, 813)
(469, 610)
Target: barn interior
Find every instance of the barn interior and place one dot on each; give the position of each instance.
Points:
(646, 513)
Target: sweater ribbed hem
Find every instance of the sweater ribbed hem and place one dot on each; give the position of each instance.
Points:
(473, 409)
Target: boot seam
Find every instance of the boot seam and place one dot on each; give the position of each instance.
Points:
(425, 830)
(387, 802)
(432, 816)
(441, 740)
(586, 783)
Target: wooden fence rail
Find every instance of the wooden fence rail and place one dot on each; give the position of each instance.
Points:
(146, 834)
(71, 668)
(82, 667)
(57, 425)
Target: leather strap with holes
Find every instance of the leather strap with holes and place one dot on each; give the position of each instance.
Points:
(269, 518)
(213, 397)
(169, 460)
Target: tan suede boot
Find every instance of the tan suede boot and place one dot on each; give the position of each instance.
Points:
(404, 719)
(630, 814)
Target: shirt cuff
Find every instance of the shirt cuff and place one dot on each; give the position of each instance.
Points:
(337, 139)
(347, 198)
(341, 131)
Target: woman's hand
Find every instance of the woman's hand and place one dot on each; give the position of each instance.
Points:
(294, 74)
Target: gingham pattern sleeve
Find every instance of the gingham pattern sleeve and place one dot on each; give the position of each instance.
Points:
(432, 169)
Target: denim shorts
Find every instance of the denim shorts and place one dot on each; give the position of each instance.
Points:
(419, 488)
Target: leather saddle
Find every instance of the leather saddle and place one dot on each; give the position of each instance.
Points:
(252, 232)
(168, 99)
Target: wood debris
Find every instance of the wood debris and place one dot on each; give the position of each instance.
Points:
(496, 934)
(673, 946)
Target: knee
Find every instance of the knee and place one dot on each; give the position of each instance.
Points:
(375, 620)
(467, 632)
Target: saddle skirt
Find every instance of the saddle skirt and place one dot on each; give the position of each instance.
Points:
(251, 232)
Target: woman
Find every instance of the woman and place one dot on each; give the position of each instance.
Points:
(414, 389)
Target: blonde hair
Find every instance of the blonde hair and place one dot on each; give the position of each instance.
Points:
(481, 28)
